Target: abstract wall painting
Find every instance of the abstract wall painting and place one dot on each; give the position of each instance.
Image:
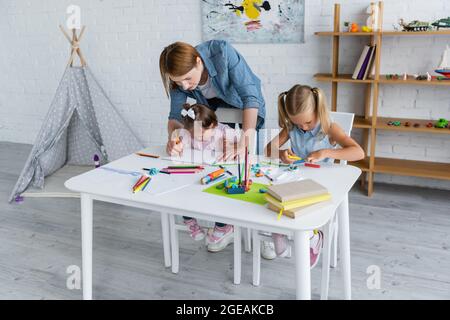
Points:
(254, 21)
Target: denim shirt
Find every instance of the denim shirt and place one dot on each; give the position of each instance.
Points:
(305, 142)
(232, 78)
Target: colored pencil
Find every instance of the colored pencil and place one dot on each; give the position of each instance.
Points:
(146, 155)
(312, 165)
(141, 179)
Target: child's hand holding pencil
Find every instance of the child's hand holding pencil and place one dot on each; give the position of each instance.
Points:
(175, 146)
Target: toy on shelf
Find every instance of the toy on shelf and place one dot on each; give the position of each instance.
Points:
(442, 23)
(407, 124)
(372, 21)
(423, 77)
(429, 125)
(441, 123)
(415, 26)
(347, 26)
(394, 123)
(444, 65)
(416, 125)
(392, 76)
(354, 27)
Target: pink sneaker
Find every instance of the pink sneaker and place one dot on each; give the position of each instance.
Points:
(220, 237)
(195, 231)
(316, 246)
(282, 248)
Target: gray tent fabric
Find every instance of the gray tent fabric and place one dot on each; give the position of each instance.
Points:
(80, 123)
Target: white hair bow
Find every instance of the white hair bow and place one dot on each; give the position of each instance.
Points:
(189, 113)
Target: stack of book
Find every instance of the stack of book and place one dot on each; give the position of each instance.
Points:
(295, 198)
(365, 63)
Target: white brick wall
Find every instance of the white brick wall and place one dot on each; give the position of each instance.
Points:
(124, 39)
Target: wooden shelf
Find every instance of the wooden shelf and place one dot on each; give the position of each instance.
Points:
(369, 121)
(382, 124)
(361, 122)
(382, 33)
(402, 167)
(413, 168)
(327, 77)
(433, 82)
(362, 164)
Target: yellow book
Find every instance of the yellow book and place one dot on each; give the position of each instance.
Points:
(289, 205)
(294, 213)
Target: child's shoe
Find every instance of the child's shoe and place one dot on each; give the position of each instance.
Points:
(195, 231)
(219, 237)
(316, 245)
(268, 250)
(282, 247)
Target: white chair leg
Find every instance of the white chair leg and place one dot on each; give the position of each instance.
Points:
(325, 281)
(174, 244)
(248, 240)
(256, 258)
(237, 255)
(334, 248)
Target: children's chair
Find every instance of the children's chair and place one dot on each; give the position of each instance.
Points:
(330, 230)
(225, 115)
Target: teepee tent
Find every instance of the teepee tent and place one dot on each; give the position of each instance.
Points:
(81, 124)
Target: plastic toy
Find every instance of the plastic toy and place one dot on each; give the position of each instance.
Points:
(262, 190)
(392, 76)
(354, 27)
(347, 26)
(407, 124)
(96, 160)
(259, 174)
(394, 123)
(444, 65)
(236, 190)
(429, 125)
(415, 26)
(442, 23)
(366, 29)
(242, 186)
(372, 20)
(441, 123)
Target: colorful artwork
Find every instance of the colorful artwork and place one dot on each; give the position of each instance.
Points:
(254, 21)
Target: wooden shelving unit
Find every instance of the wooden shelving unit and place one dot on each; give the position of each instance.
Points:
(369, 122)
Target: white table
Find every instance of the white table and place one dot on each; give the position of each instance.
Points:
(191, 201)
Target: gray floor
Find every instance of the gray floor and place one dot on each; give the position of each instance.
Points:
(405, 231)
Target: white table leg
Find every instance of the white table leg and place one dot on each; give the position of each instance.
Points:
(174, 244)
(86, 244)
(302, 265)
(344, 244)
(248, 239)
(325, 281)
(334, 244)
(256, 258)
(237, 254)
(166, 238)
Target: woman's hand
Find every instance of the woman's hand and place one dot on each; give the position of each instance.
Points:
(317, 156)
(175, 147)
(284, 156)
